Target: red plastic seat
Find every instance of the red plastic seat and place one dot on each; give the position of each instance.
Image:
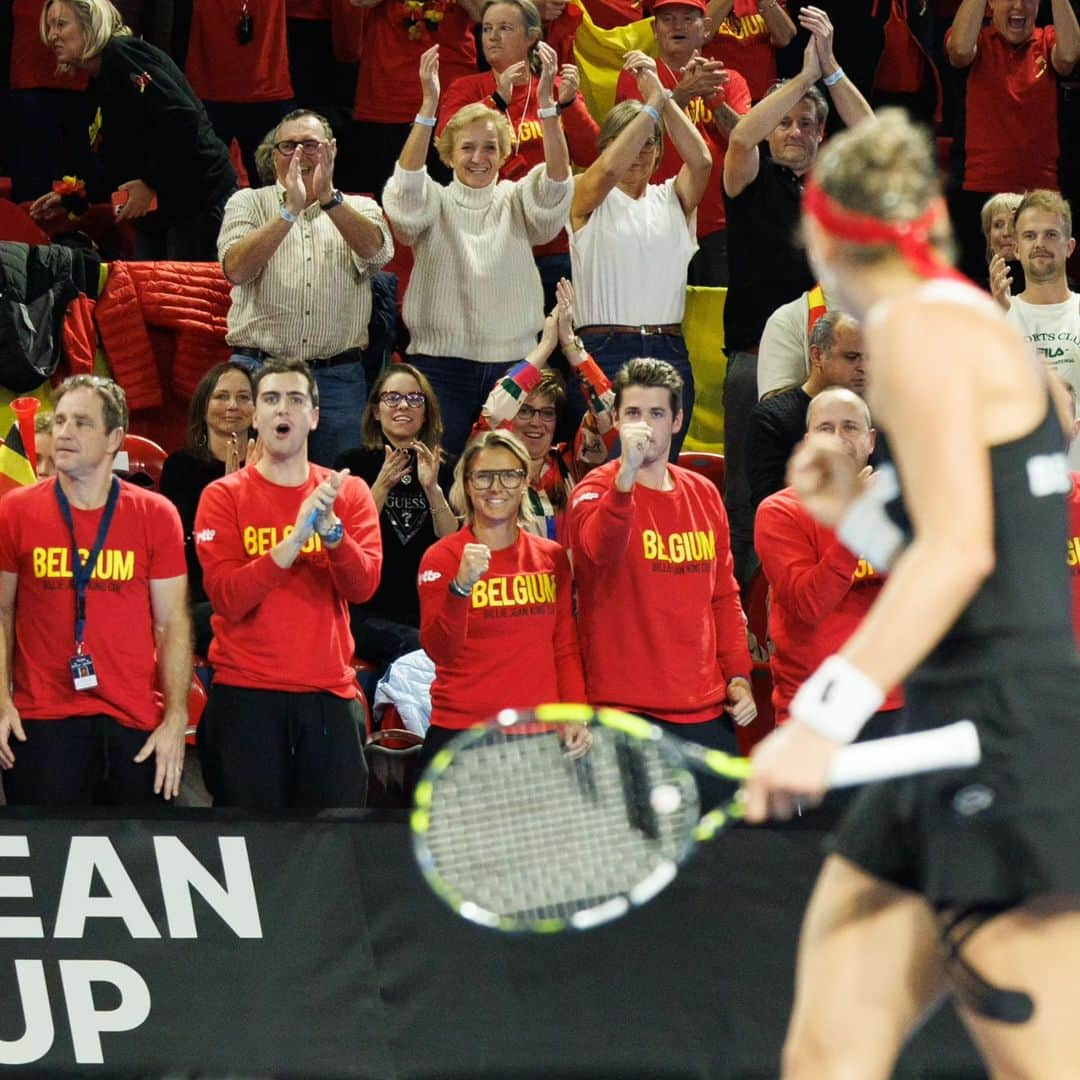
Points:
(711, 466)
(196, 704)
(144, 456)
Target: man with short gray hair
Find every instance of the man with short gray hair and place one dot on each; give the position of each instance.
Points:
(778, 423)
(300, 256)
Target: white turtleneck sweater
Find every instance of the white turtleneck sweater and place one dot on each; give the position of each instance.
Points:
(475, 291)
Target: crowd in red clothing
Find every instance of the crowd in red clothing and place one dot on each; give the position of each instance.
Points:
(356, 63)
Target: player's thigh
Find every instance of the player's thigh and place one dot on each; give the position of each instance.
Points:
(868, 969)
(1035, 949)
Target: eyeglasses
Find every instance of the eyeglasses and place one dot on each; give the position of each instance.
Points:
(547, 413)
(288, 147)
(510, 479)
(412, 400)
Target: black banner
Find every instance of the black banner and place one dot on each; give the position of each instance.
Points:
(194, 945)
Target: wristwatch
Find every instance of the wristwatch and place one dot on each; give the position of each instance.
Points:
(335, 532)
(336, 199)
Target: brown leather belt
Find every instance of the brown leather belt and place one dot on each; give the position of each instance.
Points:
(671, 329)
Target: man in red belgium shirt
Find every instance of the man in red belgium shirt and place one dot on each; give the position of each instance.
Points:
(714, 97)
(285, 547)
(819, 591)
(661, 628)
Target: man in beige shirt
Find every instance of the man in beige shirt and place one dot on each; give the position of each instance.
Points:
(301, 256)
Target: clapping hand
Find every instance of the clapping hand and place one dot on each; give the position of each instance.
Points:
(821, 36)
(643, 68)
(429, 77)
(569, 80)
(549, 65)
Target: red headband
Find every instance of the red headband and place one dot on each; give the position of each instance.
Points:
(910, 238)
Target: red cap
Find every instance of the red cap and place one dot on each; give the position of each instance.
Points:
(699, 5)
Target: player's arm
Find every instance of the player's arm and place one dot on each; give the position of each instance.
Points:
(172, 636)
(932, 415)
(935, 420)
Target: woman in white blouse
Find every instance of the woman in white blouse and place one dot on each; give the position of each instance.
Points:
(631, 240)
(474, 304)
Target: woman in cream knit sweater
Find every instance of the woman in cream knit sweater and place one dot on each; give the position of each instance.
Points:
(474, 304)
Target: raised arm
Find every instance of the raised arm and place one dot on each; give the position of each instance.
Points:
(781, 28)
(960, 42)
(742, 161)
(415, 151)
(556, 152)
(1066, 49)
(593, 185)
(851, 106)
(694, 175)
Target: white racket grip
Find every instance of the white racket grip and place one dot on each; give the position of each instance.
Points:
(955, 746)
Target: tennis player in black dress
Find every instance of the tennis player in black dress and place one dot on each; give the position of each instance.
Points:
(966, 881)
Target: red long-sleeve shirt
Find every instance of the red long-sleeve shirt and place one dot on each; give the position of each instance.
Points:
(284, 629)
(662, 630)
(512, 643)
(819, 593)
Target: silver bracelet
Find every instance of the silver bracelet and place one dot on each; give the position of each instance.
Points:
(424, 121)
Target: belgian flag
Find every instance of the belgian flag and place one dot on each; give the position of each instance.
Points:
(16, 469)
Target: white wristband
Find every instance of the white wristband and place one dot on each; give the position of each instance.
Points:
(866, 529)
(287, 215)
(837, 700)
(548, 113)
(834, 78)
(424, 121)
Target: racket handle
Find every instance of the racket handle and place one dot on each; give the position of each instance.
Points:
(955, 746)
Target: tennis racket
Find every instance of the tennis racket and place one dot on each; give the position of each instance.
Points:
(515, 832)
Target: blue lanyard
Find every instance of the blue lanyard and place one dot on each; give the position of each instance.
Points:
(81, 572)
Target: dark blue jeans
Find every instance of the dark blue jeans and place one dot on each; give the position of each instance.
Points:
(612, 351)
(462, 387)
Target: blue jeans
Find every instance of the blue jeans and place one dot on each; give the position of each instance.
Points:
(462, 387)
(342, 397)
(612, 351)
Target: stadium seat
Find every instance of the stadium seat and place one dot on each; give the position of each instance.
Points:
(142, 456)
(391, 751)
(196, 703)
(711, 466)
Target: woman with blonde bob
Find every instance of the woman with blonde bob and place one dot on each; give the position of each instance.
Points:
(474, 304)
(495, 601)
(965, 881)
(168, 172)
